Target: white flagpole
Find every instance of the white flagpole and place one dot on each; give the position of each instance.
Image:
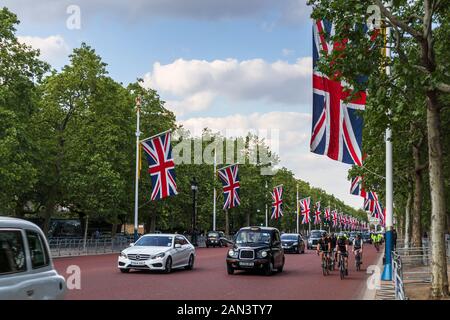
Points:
(136, 189)
(267, 214)
(214, 194)
(298, 221)
(387, 273)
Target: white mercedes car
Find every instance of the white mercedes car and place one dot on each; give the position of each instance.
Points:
(162, 252)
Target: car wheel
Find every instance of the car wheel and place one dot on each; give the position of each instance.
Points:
(230, 269)
(124, 270)
(269, 269)
(280, 269)
(168, 267)
(207, 245)
(190, 265)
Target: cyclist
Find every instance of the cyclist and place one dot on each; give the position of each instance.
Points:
(333, 241)
(377, 240)
(358, 247)
(342, 249)
(323, 245)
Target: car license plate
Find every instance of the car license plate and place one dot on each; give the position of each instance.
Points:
(138, 263)
(246, 264)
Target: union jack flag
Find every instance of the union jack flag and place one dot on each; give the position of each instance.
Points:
(336, 126)
(305, 209)
(317, 219)
(277, 203)
(369, 205)
(230, 183)
(160, 165)
(327, 213)
(356, 187)
(334, 214)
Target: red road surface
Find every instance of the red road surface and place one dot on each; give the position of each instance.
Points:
(301, 279)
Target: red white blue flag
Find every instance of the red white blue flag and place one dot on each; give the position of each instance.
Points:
(230, 183)
(317, 218)
(305, 209)
(277, 197)
(336, 125)
(356, 187)
(334, 215)
(160, 165)
(327, 214)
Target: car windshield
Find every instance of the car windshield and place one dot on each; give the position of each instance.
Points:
(248, 236)
(289, 237)
(213, 234)
(154, 241)
(316, 234)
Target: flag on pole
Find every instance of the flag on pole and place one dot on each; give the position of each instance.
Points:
(317, 219)
(336, 124)
(160, 165)
(327, 214)
(230, 182)
(277, 197)
(356, 187)
(305, 209)
(334, 215)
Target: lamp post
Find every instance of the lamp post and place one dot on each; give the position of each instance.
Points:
(194, 187)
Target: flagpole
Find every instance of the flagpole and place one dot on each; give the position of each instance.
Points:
(298, 222)
(387, 272)
(214, 200)
(136, 185)
(267, 214)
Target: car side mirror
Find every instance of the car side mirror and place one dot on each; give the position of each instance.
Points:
(132, 244)
(177, 246)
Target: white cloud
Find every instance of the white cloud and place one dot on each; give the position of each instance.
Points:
(195, 84)
(293, 147)
(54, 49)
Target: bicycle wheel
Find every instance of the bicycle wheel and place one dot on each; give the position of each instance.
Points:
(342, 268)
(324, 267)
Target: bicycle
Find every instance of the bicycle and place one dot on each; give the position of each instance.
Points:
(377, 246)
(332, 260)
(342, 269)
(325, 264)
(358, 261)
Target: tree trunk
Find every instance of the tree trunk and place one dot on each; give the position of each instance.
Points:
(114, 229)
(48, 213)
(407, 226)
(439, 279)
(417, 203)
(152, 221)
(227, 223)
(248, 219)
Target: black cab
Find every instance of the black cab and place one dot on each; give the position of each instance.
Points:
(256, 248)
(215, 239)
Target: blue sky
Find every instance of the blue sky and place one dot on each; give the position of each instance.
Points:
(243, 64)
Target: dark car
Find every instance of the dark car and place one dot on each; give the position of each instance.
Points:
(293, 242)
(215, 239)
(256, 248)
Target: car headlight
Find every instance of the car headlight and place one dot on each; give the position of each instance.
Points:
(262, 254)
(159, 255)
(232, 253)
(123, 255)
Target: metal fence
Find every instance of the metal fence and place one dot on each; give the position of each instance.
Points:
(64, 247)
(411, 265)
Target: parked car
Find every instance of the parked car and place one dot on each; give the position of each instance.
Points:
(313, 238)
(162, 252)
(293, 242)
(256, 248)
(26, 267)
(215, 239)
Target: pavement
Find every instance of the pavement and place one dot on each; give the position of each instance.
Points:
(301, 279)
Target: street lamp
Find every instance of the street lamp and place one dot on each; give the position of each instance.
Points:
(194, 188)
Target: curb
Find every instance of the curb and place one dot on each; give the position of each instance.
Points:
(370, 294)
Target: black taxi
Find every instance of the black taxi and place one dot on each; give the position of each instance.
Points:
(256, 248)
